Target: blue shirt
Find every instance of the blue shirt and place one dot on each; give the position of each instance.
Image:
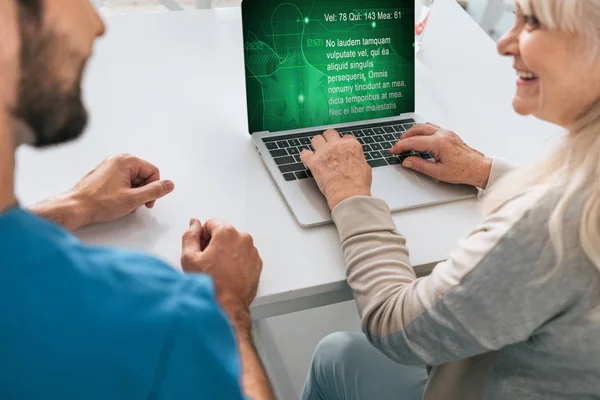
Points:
(81, 322)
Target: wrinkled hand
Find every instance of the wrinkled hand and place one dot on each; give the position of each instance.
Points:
(115, 188)
(229, 257)
(456, 162)
(339, 167)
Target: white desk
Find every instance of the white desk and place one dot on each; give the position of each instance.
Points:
(170, 88)
(170, 4)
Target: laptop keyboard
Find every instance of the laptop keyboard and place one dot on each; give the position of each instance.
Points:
(376, 140)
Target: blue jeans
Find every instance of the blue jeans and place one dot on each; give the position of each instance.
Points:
(346, 366)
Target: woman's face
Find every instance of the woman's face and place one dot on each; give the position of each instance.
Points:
(558, 79)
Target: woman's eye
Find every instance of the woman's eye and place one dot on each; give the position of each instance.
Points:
(531, 21)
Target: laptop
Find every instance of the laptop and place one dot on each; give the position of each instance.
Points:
(313, 65)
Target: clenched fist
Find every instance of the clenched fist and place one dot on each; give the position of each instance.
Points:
(229, 257)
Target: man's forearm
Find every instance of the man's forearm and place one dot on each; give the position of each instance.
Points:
(62, 210)
(254, 377)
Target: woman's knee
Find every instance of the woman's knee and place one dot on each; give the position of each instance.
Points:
(336, 362)
(339, 351)
(346, 366)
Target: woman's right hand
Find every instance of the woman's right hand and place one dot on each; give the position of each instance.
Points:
(456, 162)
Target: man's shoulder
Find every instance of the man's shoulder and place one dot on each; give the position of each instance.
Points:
(120, 312)
(41, 261)
(33, 247)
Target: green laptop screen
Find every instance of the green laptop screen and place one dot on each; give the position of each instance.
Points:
(319, 62)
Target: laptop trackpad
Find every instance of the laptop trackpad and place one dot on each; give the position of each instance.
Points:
(402, 188)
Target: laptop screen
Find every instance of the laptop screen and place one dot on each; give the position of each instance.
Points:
(319, 62)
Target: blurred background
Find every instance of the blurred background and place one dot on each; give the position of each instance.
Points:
(494, 16)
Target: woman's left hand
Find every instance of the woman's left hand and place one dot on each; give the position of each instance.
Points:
(456, 162)
(339, 167)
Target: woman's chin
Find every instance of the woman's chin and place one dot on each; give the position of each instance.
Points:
(522, 107)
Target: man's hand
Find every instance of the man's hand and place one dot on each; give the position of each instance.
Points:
(456, 162)
(339, 167)
(230, 258)
(117, 187)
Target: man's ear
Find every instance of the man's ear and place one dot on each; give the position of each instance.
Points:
(10, 46)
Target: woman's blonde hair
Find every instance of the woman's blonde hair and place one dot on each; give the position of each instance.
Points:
(574, 165)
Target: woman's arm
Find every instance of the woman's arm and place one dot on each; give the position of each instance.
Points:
(482, 298)
(479, 300)
(500, 167)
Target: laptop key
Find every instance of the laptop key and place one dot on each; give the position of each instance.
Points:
(292, 168)
(309, 173)
(369, 140)
(408, 126)
(386, 145)
(376, 146)
(368, 132)
(303, 148)
(279, 153)
(375, 154)
(283, 144)
(379, 138)
(358, 134)
(366, 148)
(368, 156)
(294, 142)
(389, 137)
(388, 129)
(378, 131)
(297, 158)
(404, 156)
(426, 155)
(301, 175)
(293, 151)
(399, 128)
(377, 163)
(271, 145)
(305, 140)
(393, 160)
(385, 153)
(289, 177)
(360, 140)
(284, 160)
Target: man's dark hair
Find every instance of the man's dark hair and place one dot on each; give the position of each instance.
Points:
(33, 4)
(32, 7)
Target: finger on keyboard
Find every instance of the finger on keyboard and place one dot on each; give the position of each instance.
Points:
(420, 130)
(416, 143)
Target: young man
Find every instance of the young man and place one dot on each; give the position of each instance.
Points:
(81, 322)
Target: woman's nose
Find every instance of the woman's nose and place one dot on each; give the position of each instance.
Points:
(509, 43)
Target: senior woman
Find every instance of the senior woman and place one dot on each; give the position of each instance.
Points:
(514, 313)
